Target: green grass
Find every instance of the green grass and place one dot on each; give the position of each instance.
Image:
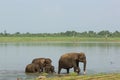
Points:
(115, 76)
(40, 39)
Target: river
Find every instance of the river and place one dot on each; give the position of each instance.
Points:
(102, 57)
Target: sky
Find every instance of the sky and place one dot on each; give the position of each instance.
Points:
(51, 16)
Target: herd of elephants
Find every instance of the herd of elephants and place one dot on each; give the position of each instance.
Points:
(66, 61)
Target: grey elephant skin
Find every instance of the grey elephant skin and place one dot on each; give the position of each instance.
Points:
(71, 60)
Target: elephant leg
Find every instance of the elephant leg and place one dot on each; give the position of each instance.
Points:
(59, 70)
(77, 63)
(52, 69)
(38, 70)
(35, 70)
(77, 70)
(67, 70)
(42, 70)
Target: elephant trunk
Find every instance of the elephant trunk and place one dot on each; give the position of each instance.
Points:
(84, 67)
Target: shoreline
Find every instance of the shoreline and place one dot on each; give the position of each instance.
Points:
(99, 76)
(115, 76)
(110, 76)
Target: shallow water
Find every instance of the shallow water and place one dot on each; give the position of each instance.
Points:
(102, 57)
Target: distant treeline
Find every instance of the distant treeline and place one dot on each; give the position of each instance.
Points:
(64, 34)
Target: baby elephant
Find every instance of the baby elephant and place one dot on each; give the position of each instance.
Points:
(42, 62)
(32, 68)
(49, 68)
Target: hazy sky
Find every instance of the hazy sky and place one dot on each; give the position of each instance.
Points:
(40, 16)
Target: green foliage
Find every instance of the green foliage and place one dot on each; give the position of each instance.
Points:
(73, 74)
(111, 76)
(58, 39)
(64, 34)
(44, 74)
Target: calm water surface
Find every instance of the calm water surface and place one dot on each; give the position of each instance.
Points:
(102, 57)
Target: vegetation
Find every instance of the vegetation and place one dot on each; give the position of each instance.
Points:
(89, 77)
(114, 76)
(55, 39)
(62, 36)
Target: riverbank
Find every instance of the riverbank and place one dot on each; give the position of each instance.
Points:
(56, 39)
(111, 76)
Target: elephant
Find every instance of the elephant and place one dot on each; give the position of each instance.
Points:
(49, 68)
(48, 61)
(41, 62)
(71, 60)
(32, 68)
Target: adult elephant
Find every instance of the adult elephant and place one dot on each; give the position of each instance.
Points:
(71, 60)
(41, 62)
(32, 68)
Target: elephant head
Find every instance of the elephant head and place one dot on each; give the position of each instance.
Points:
(82, 58)
(48, 61)
(49, 68)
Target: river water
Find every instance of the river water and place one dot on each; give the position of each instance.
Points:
(102, 57)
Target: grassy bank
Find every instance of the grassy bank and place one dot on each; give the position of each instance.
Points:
(70, 39)
(115, 76)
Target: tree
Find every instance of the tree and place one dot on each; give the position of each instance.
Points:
(91, 34)
(104, 33)
(70, 33)
(5, 32)
(116, 34)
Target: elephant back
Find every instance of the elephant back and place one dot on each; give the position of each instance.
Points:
(39, 61)
(69, 56)
(32, 68)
